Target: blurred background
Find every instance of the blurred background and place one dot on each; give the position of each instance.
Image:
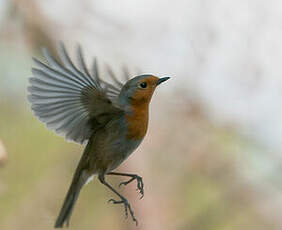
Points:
(212, 158)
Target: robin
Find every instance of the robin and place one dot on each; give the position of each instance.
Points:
(110, 118)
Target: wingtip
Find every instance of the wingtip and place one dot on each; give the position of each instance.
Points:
(78, 47)
(34, 60)
(45, 52)
(61, 48)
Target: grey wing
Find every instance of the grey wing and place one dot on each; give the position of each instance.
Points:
(70, 100)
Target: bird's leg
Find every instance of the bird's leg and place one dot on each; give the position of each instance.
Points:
(140, 184)
(122, 200)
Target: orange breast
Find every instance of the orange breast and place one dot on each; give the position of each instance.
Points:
(137, 122)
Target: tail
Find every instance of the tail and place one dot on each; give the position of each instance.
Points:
(78, 181)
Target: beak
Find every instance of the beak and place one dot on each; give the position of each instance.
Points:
(161, 80)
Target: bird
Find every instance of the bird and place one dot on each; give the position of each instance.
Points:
(109, 118)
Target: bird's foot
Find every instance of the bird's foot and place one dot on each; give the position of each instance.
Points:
(140, 184)
(127, 208)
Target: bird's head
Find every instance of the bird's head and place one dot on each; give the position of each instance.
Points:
(139, 90)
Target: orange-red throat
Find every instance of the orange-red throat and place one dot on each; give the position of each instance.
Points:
(140, 99)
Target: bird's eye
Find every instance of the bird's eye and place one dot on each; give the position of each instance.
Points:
(143, 85)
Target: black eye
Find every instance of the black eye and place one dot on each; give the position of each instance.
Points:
(143, 85)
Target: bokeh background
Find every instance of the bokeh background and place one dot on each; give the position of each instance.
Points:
(212, 158)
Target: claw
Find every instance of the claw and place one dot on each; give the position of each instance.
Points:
(114, 201)
(127, 182)
(122, 183)
(140, 184)
(111, 200)
(126, 208)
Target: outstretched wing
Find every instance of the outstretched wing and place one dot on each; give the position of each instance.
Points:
(70, 100)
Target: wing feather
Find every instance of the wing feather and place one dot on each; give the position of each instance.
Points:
(70, 66)
(70, 100)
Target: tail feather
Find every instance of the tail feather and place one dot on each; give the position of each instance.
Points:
(78, 181)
